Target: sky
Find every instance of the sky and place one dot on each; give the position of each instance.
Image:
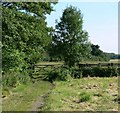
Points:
(100, 20)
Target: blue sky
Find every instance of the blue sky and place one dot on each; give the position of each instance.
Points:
(100, 21)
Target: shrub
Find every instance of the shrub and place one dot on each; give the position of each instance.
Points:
(87, 71)
(95, 71)
(83, 97)
(99, 72)
(105, 72)
(11, 79)
(60, 74)
(74, 71)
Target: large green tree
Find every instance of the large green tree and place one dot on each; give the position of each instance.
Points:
(70, 41)
(25, 34)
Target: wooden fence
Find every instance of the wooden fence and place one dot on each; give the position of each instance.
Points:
(100, 65)
(45, 67)
(56, 66)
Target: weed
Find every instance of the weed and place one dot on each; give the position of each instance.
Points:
(84, 96)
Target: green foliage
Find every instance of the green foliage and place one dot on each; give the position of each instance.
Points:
(60, 74)
(84, 96)
(95, 50)
(70, 42)
(94, 72)
(75, 73)
(105, 72)
(25, 36)
(13, 79)
(97, 54)
(87, 72)
(113, 55)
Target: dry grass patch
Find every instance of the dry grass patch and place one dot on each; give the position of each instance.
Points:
(86, 94)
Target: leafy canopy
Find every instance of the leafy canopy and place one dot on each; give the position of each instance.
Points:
(25, 33)
(70, 41)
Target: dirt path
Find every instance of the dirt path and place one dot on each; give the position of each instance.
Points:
(37, 105)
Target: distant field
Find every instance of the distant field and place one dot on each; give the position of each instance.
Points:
(49, 63)
(96, 62)
(115, 61)
(89, 62)
(86, 94)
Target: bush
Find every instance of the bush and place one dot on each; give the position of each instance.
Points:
(11, 79)
(87, 72)
(94, 72)
(74, 72)
(83, 97)
(60, 74)
(105, 72)
(99, 72)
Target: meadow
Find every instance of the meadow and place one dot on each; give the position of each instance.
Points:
(86, 94)
(40, 63)
(80, 94)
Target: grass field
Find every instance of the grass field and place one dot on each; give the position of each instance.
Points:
(49, 63)
(89, 62)
(86, 94)
(115, 61)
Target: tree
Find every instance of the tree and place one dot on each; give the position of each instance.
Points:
(98, 54)
(95, 50)
(70, 41)
(25, 34)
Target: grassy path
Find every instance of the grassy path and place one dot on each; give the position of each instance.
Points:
(40, 102)
(27, 97)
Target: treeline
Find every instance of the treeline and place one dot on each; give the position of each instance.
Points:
(25, 35)
(113, 55)
(26, 39)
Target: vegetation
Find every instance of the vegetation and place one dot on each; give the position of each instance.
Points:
(25, 36)
(86, 94)
(27, 41)
(97, 54)
(83, 97)
(23, 97)
(95, 72)
(70, 41)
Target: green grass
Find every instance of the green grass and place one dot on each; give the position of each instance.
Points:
(24, 96)
(84, 97)
(97, 94)
(115, 61)
(49, 63)
(85, 94)
(96, 62)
